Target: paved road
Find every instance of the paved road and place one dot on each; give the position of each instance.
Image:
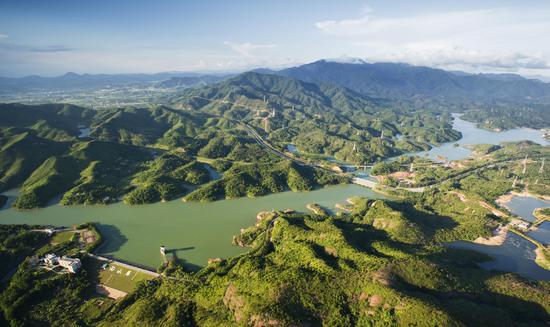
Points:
(488, 165)
(356, 180)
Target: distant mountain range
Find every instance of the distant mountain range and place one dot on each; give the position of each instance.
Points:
(377, 80)
(403, 81)
(285, 91)
(73, 81)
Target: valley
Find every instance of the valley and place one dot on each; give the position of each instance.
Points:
(257, 181)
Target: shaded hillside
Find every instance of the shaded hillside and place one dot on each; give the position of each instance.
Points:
(394, 80)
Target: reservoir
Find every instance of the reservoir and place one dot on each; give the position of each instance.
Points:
(194, 231)
(523, 206)
(516, 254)
(197, 231)
(472, 135)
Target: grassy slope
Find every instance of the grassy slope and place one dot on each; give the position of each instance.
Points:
(21, 154)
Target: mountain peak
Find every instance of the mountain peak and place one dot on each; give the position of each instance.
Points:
(71, 74)
(344, 59)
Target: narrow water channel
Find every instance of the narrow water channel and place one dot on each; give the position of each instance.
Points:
(472, 135)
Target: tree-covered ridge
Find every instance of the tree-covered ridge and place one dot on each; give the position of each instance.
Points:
(494, 101)
(58, 122)
(381, 264)
(500, 117)
(166, 178)
(256, 179)
(96, 168)
(339, 271)
(17, 242)
(321, 119)
(142, 154)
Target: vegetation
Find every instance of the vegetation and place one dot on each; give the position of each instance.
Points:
(317, 209)
(259, 179)
(318, 119)
(16, 242)
(379, 264)
(504, 117)
(165, 178)
(333, 271)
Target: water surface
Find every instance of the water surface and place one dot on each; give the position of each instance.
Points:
(523, 206)
(194, 231)
(474, 135)
(516, 254)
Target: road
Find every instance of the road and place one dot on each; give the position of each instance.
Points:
(356, 180)
(275, 151)
(488, 165)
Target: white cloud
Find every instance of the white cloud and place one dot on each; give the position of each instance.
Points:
(448, 55)
(248, 50)
(499, 39)
(3, 36)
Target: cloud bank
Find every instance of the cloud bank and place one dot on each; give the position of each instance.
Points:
(498, 39)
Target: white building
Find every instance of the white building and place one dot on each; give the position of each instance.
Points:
(51, 259)
(72, 265)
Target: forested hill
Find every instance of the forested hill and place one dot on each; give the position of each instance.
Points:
(320, 118)
(283, 91)
(402, 81)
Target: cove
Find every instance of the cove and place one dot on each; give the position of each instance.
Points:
(516, 254)
(195, 232)
(472, 135)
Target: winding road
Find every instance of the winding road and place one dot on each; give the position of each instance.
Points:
(356, 180)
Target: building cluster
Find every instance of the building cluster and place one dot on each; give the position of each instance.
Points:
(72, 265)
(521, 225)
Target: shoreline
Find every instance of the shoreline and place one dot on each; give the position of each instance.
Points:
(540, 259)
(504, 199)
(499, 237)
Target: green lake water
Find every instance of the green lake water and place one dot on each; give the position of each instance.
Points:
(194, 231)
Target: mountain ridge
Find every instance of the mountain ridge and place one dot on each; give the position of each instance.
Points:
(403, 81)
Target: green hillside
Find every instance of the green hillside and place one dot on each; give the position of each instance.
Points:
(21, 154)
(320, 119)
(337, 271)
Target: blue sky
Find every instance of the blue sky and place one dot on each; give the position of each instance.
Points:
(53, 37)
